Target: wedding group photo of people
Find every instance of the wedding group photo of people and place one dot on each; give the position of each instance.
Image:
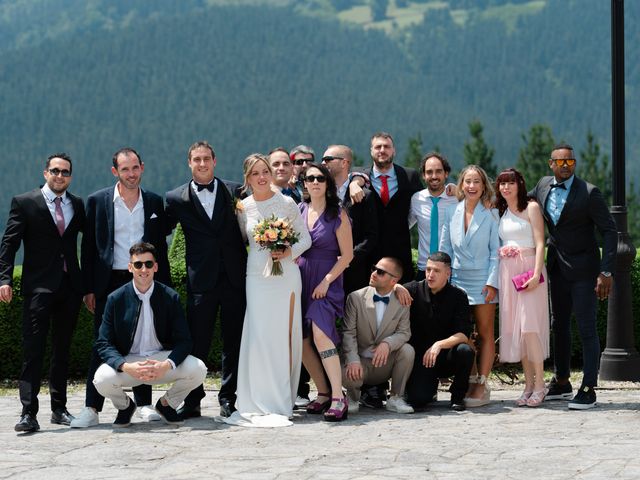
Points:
(307, 266)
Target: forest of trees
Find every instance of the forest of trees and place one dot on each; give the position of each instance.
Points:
(89, 76)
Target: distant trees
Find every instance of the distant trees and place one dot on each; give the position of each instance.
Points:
(595, 167)
(533, 158)
(413, 157)
(378, 9)
(477, 152)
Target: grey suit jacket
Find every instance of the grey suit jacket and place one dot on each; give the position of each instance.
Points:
(361, 333)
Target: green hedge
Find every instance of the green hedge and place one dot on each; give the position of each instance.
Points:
(11, 321)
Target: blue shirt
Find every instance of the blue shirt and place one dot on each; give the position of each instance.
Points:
(392, 181)
(557, 198)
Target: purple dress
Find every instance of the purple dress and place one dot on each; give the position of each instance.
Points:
(314, 264)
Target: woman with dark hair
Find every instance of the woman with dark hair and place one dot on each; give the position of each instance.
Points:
(524, 310)
(470, 237)
(322, 292)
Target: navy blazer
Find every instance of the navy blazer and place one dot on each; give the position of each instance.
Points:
(477, 248)
(98, 238)
(572, 241)
(120, 320)
(45, 251)
(212, 244)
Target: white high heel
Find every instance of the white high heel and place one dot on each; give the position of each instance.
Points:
(486, 396)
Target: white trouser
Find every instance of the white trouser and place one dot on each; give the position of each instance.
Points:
(185, 377)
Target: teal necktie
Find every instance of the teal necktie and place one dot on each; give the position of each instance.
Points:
(433, 244)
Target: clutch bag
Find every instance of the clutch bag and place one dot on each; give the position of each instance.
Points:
(520, 279)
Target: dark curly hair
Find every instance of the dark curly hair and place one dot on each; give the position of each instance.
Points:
(331, 195)
(511, 175)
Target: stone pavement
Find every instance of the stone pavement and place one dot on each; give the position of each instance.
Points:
(500, 441)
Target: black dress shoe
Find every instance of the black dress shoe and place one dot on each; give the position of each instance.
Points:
(189, 411)
(371, 400)
(226, 409)
(27, 423)
(61, 417)
(457, 405)
(123, 419)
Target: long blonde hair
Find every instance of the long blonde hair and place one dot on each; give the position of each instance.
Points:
(488, 192)
(249, 163)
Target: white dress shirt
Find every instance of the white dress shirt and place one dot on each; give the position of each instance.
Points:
(207, 198)
(381, 307)
(145, 341)
(420, 213)
(65, 204)
(128, 228)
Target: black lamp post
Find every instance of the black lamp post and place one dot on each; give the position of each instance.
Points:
(620, 359)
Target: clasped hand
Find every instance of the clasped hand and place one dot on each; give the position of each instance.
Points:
(280, 254)
(147, 370)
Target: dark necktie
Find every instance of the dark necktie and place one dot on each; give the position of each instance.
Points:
(287, 191)
(558, 185)
(384, 190)
(60, 224)
(208, 186)
(378, 298)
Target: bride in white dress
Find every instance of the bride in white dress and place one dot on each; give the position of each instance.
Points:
(271, 348)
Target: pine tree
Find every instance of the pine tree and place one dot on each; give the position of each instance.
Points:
(633, 214)
(533, 158)
(594, 167)
(477, 152)
(413, 158)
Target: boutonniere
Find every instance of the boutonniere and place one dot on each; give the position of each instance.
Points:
(237, 205)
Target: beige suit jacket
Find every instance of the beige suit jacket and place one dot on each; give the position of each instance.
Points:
(361, 332)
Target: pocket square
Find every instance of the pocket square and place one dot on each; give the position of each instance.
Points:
(153, 215)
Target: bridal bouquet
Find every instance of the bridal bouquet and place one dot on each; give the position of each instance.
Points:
(275, 234)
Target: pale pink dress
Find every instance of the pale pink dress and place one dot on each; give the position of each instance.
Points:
(521, 312)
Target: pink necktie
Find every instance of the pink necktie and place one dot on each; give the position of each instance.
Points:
(59, 216)
(384, 190)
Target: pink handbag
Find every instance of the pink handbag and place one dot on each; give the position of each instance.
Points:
(519, 280)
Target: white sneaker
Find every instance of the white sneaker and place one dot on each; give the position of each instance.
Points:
(88, 418)
(148, 414)
(398, 405)
(302, 402)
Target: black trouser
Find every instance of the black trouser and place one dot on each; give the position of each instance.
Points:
(141, 393)
(202, 310)
(42, 310)
(423, 383)
(303, 384)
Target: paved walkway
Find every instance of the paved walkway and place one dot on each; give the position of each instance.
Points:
(498, 442)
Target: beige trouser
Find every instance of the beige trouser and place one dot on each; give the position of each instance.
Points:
(185, 377)
(398, 368)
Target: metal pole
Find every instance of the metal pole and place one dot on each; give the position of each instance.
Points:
(620, 359)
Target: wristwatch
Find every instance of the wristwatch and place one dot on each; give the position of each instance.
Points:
(605, 274)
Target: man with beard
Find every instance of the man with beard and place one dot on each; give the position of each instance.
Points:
(118, 217)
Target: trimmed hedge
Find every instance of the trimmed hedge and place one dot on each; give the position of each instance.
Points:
(11, 321)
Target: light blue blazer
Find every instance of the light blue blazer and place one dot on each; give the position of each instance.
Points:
(477, 249)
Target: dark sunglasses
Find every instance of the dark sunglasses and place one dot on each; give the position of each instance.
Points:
(380, 271)
(138, 265)
(329, 158)
(303, 161)
(313, 178)
(561, 162)
(56, 171)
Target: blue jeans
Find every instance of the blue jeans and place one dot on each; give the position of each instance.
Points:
(580, 298)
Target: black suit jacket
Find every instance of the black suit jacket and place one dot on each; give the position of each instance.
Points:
(45, 251)
(212, 245)
(394, 239)
(98, 238)
(120, 320)
(364, 230)
(572, 242)
(436, 317)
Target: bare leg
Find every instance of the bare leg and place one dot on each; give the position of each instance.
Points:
(534, 351)
(484, 315)
(330, 362)
(313, 365)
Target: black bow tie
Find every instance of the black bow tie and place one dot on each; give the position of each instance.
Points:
(208, 186)
(559, 185)
(287, 191)
(378, 298)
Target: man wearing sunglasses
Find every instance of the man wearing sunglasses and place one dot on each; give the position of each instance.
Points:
(301, 157)
(47, 221)
(117, 217)
(573, 209)
(375, 338)
(144, 339)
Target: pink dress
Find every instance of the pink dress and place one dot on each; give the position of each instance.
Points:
(523, 312)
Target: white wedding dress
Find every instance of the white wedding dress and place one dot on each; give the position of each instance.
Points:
(269, 364)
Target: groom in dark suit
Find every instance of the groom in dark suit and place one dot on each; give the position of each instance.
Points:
(117, 217)
(573, 210)
(216, 259)
(47, 221)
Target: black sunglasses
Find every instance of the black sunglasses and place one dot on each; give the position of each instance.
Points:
(56, 171)
(303, 161)
(138, 265)
(329, 158)
(381, 272)
(313, 178)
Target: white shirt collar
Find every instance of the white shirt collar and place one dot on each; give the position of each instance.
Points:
(145, 295)
(116, 194)
(51, 196)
